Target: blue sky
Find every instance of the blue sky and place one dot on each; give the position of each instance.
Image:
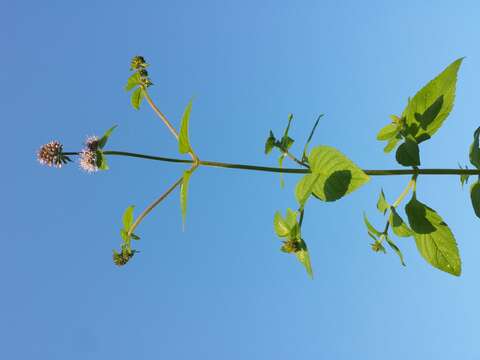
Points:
(222, 289)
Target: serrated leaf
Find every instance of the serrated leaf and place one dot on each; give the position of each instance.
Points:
(183, 140)
(370, 227)
(475, 197)
(382, 204)
(408, 153)
(103, 140)
(333, 175)
(127, 218)
(398, 225)
(133, 81)
(136, 98)
(304, 257)
(475, 150)
(429, 108)
(388, 132)
(433, 237)
(184, 194)
(395, 248)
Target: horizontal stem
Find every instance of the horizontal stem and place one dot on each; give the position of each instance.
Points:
(386, 172)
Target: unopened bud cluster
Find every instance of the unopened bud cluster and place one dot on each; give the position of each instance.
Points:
(123, 257)
(139, 65)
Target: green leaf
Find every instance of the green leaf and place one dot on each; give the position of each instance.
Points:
(429, 108)
(382, 204)
(391, 144)
(395, 248)
(270, 143)
(398, 225)
(475, 197)
(101, 160)
(475, 150)
(370, 227)
(433, 237)
(127, 218)
(133, 81)
(103, 140)
(333, 175)
(183, 140)
(305, 149)
(408, 154)
(136, 98)
(287, 143)
(282, 229)
(184, 194)
(388, 132)
(304, 257)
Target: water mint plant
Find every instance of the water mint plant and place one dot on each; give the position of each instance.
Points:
(328, 174)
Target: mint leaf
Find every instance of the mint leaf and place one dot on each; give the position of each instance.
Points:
(433, 237)
(429, 108)
(183, 140)
(333, 176)
(184, 194)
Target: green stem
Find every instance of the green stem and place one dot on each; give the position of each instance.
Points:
(386, 172)
(153, 205)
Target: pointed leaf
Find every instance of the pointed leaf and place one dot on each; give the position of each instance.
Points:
(387, 132)
(429, 108)
(103, 140)
(433, 237)
(183, 140)
(391, 144)
(395, 248)
(382, 204)
(127, 218)
(184, 194)
(305, 149)
(370, 227)
(304, 257)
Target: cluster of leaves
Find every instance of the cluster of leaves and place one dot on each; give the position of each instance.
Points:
(139, 81)
(332, 175)
(420, 120)
(126, 252)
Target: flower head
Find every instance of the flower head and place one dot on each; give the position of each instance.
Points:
(51, 154)
(92, 143)
(88, 160)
